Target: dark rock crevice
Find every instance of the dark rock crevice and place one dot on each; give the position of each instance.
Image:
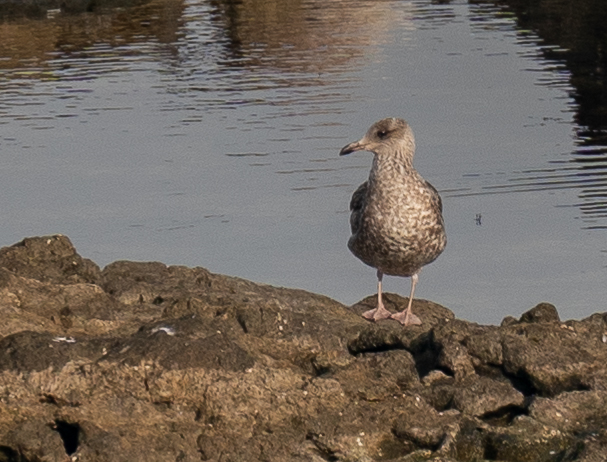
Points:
(70, 435)
(322, 449)
(505, 415)
(522, 382)
(8, 454)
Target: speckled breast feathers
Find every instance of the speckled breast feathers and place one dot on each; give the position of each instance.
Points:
(396, 221)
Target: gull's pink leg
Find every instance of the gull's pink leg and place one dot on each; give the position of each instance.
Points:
(380, 312)
(406, 317)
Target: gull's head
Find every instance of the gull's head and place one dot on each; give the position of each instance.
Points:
(388, 137)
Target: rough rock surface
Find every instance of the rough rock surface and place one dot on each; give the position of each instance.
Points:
(148, 362)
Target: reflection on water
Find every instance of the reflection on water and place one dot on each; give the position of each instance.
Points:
(72, 47)
(569, 43)
(575, 35)
(206, 133)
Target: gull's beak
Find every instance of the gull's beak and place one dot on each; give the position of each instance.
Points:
(356, 146)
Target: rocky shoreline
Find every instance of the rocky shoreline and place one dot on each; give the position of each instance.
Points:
(148, 362)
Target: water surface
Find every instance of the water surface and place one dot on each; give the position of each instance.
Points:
(206, 133)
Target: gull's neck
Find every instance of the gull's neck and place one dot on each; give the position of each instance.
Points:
(389, 167)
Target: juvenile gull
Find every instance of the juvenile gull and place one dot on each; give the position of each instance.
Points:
(396, 221)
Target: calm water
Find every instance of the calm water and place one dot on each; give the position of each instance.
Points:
(206, 133)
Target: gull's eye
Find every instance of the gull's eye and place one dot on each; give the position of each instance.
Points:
(382, 134)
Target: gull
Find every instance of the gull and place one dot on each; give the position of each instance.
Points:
(396, 216)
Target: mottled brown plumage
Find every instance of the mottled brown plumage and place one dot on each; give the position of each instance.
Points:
(396, 221)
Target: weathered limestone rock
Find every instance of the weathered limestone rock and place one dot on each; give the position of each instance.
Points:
(148, 362)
